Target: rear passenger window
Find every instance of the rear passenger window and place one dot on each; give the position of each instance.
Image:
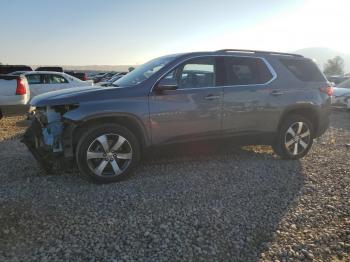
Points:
(246, 71)
(55, 79)
(304, 70)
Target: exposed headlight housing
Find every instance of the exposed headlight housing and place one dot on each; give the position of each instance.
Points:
(32, 109)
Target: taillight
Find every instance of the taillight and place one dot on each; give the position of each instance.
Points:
(85, 78)
(328, 90)
(21, 87)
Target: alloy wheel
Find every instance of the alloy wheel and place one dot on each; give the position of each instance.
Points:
(109, 155)
(297, 138)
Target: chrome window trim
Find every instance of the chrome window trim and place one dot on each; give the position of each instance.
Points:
(197, 88)
(270, 68)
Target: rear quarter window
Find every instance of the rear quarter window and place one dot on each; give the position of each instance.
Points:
(304, 70)
(56, 79)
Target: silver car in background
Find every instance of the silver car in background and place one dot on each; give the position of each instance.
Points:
(341, 95)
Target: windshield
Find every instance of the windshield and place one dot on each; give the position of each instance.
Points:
(345, 84)
(143, 72)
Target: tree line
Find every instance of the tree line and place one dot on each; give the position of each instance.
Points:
(334, 66)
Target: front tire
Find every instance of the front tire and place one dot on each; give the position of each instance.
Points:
(107, 153)
(295, 138)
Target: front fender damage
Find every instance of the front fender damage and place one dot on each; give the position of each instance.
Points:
(49, 137)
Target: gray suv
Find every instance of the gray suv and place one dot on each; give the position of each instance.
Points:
(273, 98)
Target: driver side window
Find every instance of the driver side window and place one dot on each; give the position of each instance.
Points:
(195, 73)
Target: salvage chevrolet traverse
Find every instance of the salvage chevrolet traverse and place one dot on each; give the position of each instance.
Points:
(281, 99)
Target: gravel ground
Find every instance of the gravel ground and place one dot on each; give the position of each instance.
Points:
(207, 203)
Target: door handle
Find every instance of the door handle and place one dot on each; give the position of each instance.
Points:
(277, 93)
(211, 97)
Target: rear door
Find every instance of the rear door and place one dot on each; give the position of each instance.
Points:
(43, 83)
(192, 111)
(248, 105)
(56, 82)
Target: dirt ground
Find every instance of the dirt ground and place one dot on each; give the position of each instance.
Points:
(202, 204)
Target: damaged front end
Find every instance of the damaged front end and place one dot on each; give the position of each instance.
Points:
(49, 137)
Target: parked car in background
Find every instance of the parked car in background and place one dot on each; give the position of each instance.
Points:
(103, 77)
(107, 76)
(91, 75)
(97, 77)
(112, 79)
(50, 69)
(345, 84)
(14, 95)
(271, 98)
(41, 82)
(337, 79)
(341, 95)
(7, 69)
(80, 75)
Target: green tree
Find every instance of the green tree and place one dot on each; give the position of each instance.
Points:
(334, 66)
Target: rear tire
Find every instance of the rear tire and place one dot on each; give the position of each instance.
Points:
(295, 138)
(107, 153)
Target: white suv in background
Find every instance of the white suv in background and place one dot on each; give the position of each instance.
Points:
(44, 81)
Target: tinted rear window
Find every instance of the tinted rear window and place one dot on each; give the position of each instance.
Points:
(246, 71)
(304, 70)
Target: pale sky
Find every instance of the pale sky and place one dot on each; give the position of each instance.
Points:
(111, 32)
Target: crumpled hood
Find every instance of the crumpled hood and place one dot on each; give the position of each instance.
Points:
(338, 91)
(69, 95)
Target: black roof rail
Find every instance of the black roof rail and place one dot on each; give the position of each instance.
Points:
(257, 52)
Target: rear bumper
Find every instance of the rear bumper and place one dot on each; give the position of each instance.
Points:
(323, 123)
(14, 100)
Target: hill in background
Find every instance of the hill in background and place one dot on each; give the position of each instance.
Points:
(321, 55)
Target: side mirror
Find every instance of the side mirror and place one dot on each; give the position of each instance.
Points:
(166, 84)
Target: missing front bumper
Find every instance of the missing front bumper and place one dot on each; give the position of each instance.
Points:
(50, 147)
(32, 138)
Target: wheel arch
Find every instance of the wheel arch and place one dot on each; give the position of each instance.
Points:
(130, 122)
(307, 111)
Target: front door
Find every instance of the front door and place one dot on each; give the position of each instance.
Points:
(191, 111)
